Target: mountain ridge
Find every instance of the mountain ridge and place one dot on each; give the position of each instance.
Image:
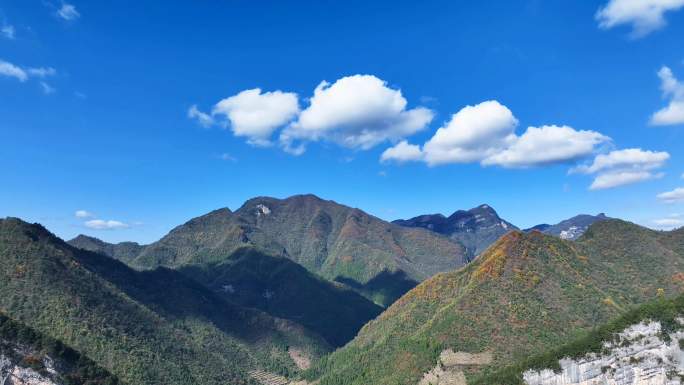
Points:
(337, 242)
(525, 293)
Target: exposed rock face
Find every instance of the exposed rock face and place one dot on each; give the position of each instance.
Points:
(641, 356)
(449, 368)
(13, 374)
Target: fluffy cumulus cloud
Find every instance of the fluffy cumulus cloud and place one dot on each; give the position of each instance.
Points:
(402, 152)
(544, 145)
(473, 134)
(252, 114)
(256, 115)
(645, 16)
(358, 111)
(622, 167)
(673, 90)
(83, 214)
(485, 133)
(100, 224)
(68, 12)
(674, 196)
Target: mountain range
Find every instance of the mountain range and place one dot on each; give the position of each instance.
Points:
(266, 293)
(378, 259)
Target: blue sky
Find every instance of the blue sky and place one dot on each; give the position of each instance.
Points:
(96, 101)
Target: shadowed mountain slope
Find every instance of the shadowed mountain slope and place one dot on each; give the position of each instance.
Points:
(146, 327)
(123, 251)
(335, 241)
(526, 293)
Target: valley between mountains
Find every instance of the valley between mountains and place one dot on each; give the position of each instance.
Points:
(306, 290)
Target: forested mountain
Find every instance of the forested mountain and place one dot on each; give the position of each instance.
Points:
(123, 251)
(377, 259)
(526, 293)
(475, 229)
(148, 327)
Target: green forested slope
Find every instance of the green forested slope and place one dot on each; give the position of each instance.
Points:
(525, 293)
(27, 348)
(146, 327)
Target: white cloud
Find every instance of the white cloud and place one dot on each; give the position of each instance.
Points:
(614, 179)
(83, 214)
(68, 12)
(631, 158)
(622, 167)
(645, 16)
(47, 89)
(227, 157)
(8, 31)
(11, 70)
(358, 111)
(485, 133)
(257, 115)
(204, 119)
(23, 74)
(674, 196)
(674, 90)
(473, 134)
(402, 152)
(99, 224)
(547, 145)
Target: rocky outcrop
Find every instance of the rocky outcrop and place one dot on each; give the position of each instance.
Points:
(12, 373)
(641, 355)
(449, 368)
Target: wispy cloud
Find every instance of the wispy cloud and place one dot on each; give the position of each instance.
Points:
(23, 74)
(14, 71)
(47, 89)
(227, 157)
(83, 214)
(68, 12)
(99, 224)
(8, 31)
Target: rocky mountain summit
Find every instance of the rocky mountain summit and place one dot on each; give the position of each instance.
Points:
(475, 229)
(572, 228)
